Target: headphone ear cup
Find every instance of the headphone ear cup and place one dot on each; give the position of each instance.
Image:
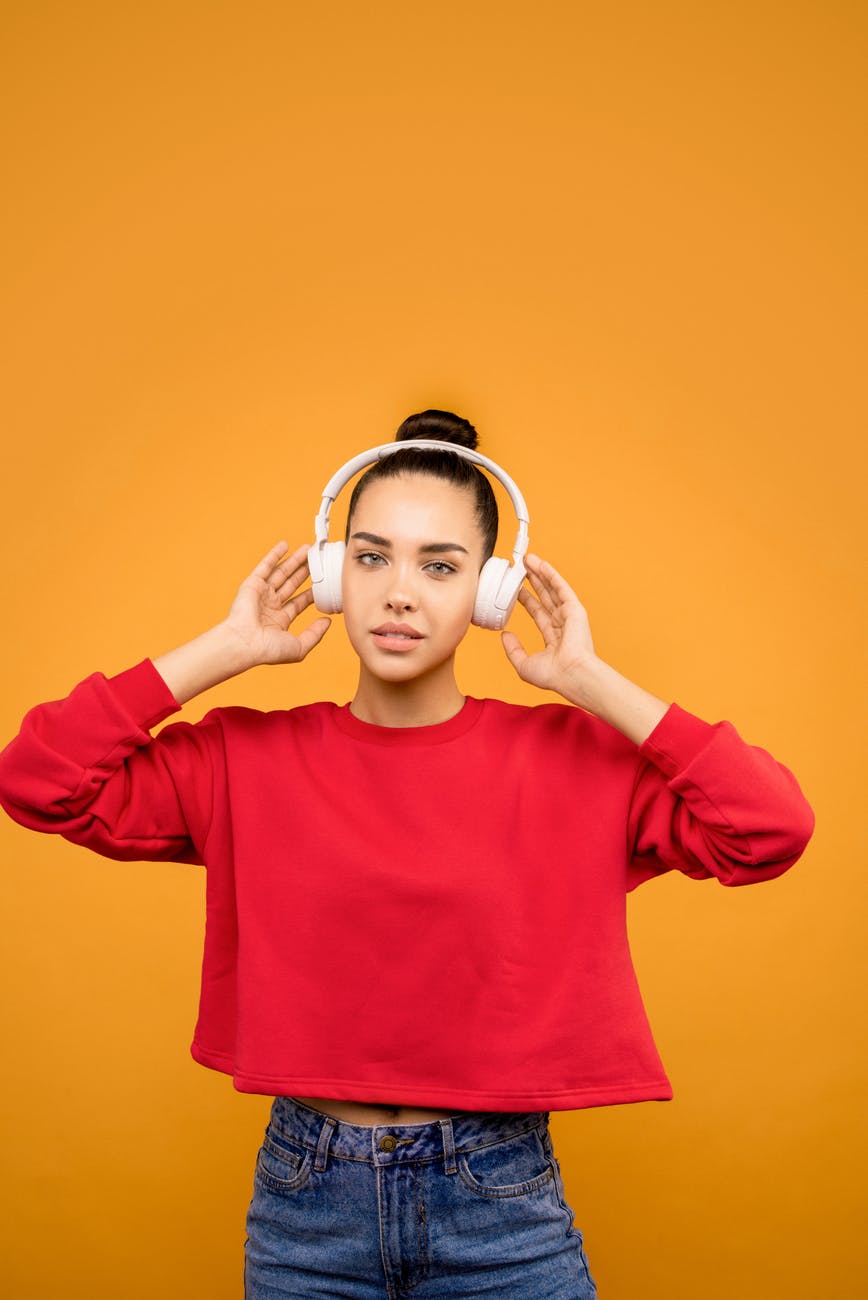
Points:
(327, 592)
(491, 579)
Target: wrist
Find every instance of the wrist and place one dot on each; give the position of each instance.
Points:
(231, 649)
(600, 689)
(584, 684)
(207, 660)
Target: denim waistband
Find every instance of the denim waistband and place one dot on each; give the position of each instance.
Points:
(384, 1144)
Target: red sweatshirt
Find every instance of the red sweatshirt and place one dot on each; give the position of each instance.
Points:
(429, 916)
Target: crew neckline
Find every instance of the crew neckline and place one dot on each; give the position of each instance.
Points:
(434, 733)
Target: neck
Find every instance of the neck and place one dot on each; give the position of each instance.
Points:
(420, 703)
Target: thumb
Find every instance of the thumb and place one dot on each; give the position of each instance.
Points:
(312, 635)
(515, 651)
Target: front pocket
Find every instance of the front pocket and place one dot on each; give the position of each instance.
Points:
(282, 1168)
(512, 1167)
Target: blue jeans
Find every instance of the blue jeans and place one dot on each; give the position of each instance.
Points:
(472, 1205)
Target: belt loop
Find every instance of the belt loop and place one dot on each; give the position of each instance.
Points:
(322, 1146)
(449, 1164)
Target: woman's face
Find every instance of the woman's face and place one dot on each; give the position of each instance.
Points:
(410, 575)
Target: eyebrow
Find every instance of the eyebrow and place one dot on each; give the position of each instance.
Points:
(430, 548)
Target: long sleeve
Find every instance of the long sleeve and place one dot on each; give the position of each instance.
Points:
(87, 768)
(708, 804)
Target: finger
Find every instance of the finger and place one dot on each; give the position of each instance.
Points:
(267, 563)
(542, 585)
(538, 613)
(543, 593)
(312, 635)
(290, 583)
(550, 581)
(288, 567)
(293, 607)
(540, 592)
(515, 651)
(533, 605)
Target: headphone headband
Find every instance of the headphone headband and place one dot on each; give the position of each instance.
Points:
(374, 454)
(499, 581)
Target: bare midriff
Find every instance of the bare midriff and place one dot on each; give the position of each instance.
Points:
(362, 1112)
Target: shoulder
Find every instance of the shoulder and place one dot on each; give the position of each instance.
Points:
(234, 734)
(556, 724)
(238, 719)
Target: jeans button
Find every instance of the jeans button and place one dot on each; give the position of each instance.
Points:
(388, 1143)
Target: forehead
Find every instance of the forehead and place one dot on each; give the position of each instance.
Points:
(418, 507)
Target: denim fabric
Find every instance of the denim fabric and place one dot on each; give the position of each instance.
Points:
(472, 1205)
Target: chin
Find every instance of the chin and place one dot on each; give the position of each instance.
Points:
(399, 671)
(401, 667)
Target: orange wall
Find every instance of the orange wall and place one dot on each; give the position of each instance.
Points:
(627, 241)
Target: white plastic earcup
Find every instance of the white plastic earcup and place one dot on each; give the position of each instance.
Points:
(326, 565)
(497, 592)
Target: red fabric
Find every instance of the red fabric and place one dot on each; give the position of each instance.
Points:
(430, 916)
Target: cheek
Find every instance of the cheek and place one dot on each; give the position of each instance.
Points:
(351, 584)
(349, 604)
(461, 606)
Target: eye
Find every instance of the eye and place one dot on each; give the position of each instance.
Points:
(370, 558)
(440, 568)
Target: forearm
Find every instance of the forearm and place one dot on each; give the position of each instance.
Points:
(601, 690)
(207, 660)
(77, 763)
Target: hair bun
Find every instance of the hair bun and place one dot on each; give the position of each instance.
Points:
(441, 426)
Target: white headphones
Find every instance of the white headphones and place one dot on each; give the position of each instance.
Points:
(499, 581)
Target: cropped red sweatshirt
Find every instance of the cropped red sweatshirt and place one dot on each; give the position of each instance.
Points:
(428, 916)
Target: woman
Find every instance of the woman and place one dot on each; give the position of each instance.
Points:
(416, 933)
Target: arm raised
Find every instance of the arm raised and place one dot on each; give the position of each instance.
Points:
(255, 631)
(567, 662)
(87, 767)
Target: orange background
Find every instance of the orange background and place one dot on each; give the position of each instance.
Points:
(242, 243)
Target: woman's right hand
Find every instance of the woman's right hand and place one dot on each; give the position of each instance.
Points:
(255, 631)
(268, 603)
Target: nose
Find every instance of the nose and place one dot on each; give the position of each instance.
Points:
(400, 602)
(400, 596)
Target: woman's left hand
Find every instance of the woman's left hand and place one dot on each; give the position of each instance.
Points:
(567, 663)
(568, 651)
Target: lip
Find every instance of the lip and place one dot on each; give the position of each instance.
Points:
(396, 636)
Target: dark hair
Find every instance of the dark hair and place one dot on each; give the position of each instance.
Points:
(445, 427)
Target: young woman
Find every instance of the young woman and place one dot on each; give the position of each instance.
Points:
(416, 935)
